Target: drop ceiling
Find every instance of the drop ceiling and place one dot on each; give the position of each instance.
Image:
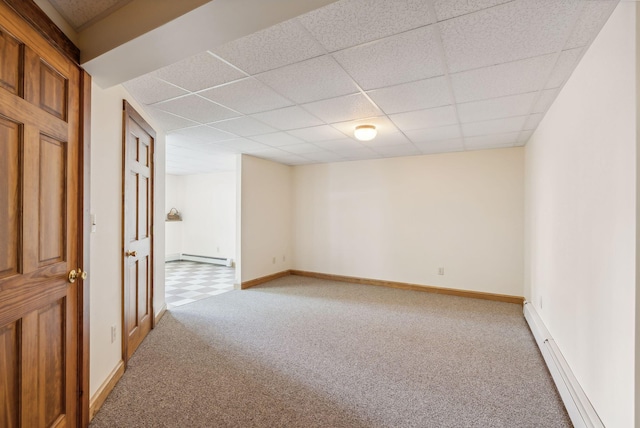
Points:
(81, 13)
(433, 76)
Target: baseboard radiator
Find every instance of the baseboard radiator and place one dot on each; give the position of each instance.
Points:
(578, 406)
(202, 259)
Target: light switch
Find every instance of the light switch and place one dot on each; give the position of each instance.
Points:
(93, 223)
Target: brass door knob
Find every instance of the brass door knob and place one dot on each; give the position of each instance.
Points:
(131, 253)
(73, 275)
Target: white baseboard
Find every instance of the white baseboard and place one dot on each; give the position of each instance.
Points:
(222, 261)
(159, 315)
(105, 389)
(578, 406)
(172, 257)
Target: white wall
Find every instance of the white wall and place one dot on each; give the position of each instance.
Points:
(581, 219)
(266, 214)
(207, 203)
(106, 245)
(637, 302)
(401, 219)
(209, 215)
(174, 198)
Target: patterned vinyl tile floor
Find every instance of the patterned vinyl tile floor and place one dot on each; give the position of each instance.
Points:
(187, 282)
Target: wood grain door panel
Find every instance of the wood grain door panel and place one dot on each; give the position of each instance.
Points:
(39, 182)
(10, 381)
(52, 214)
(138, 141)
(11, 51)
(51, 352)
(47, 88)
(10, 197)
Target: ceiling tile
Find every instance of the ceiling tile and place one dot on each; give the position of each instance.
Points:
(80, 13)
(243, 126)
(524, 136)
(183, 153)
(455, 145)
(533, 121)
(413, 96)
(212, 152)
(398, 150)
(184, 161)
(216, 148)
(277, 139)
(383, 126)
(359, 154)
(282, 44)
(421, 119)
(546, 99)
(340, 145)
(191, 149)
(170, 148)
(491, 141)
(196, 108)
(247, 96)
(168, 121)
(351, 22)
(446, 9)
(593, 18)
(505, 79)
(301, 148)
(434, 134)
(324, 157)
(317, 133)
(272, 154)
(394, 51)
(342, 109)
(564, 67)
(148, 90)
(244, 145)
(513, 105)
(175, 158)
(390, 139)
(213, 148)
(288, 118)
(497, 126)
(199, 72)
(402, 58)
(181, 141)
(312, 80)
(204, 134)
(505, 33)
(294, 160)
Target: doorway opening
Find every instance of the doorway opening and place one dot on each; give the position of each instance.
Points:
(200, 231)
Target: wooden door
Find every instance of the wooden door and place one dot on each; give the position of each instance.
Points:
(39, 229)
(138, 155)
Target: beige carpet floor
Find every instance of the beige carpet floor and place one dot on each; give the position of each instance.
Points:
(301, 352)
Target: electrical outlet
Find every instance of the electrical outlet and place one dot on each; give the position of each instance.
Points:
(274, 260)
(284, 259)
(440, 271)
(218, 249)
(113, 333)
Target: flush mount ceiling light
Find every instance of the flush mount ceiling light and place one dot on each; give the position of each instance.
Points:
(365, 132)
